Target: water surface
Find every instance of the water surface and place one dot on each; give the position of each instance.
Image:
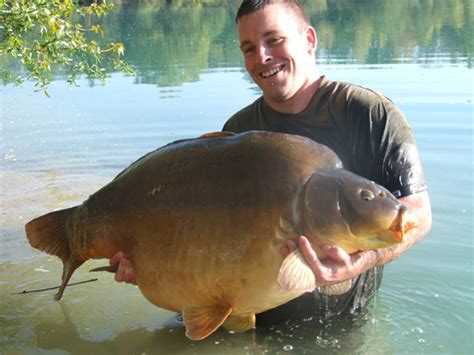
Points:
(56, 151)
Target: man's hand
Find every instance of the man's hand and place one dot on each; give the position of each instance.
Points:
(337, 267)
(125, 272)
(340, 266)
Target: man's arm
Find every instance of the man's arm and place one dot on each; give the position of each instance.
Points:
(341, 266)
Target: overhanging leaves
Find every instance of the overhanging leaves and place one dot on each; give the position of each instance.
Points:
(56, 34)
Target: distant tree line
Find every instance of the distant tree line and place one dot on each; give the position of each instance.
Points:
(169, 42)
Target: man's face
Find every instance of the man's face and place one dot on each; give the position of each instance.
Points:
(277, 51)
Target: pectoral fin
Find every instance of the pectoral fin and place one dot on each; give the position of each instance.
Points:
(239, 324)
(295, 274)
(202, 321)
(336, 289)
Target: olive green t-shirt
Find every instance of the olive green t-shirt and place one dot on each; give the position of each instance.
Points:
(365, 129)
(372, 138)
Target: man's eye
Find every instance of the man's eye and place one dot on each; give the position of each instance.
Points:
(275, 40)
(247, 51)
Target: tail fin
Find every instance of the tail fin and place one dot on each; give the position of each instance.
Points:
(48, 233)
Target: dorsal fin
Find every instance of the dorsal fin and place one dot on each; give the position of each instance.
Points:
(217, 134)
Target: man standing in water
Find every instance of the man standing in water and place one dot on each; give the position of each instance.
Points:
(365, 129)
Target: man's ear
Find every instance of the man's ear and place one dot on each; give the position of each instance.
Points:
(311, 39)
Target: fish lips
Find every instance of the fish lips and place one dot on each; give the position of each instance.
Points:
(402, 224)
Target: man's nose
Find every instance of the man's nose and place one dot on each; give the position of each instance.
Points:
(263, 54)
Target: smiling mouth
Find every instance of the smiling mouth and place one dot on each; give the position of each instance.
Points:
(269, 73)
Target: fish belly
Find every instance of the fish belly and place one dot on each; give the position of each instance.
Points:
(199, 259)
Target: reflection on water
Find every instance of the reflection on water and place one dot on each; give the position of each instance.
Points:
(172, 42)
(55, 152)
(103, 317)
(166, 52)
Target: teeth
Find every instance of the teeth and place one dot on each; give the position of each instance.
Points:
(270, 72)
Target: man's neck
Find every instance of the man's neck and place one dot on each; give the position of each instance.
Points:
(301, 99)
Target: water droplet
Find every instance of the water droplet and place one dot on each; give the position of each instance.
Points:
(41, 269)
(417, 330)
(288, 348)
(10, 156)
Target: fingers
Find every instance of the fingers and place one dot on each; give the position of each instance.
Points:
(338, 254)
(116, 258)
(335, 268)
(125, 272)
(119, 274)
(309, 254)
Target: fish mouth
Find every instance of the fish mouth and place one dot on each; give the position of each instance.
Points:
(271, 72)
(402, 224)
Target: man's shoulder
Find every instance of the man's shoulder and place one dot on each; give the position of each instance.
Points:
(356, 103)
(242, 119)
(355, 94)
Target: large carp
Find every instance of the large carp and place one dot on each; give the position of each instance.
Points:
(204, 221)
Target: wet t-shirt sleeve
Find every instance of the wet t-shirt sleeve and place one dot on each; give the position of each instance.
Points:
(402, 171)
(380, 143)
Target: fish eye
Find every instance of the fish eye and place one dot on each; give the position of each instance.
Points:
(366, 195)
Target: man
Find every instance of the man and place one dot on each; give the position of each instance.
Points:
(364, 128)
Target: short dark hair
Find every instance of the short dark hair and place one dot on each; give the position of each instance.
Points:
(250, 6)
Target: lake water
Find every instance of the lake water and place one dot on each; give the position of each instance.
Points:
(56, 151)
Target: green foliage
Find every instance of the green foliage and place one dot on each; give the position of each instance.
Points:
(59, 34)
